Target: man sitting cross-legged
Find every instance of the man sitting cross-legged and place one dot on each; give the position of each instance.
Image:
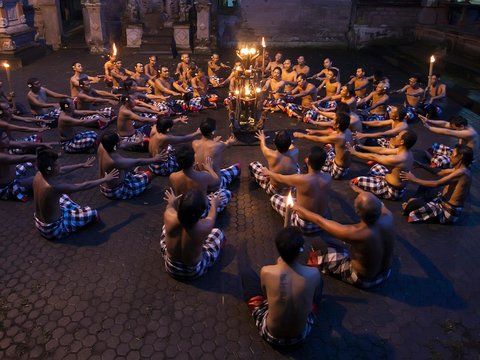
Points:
(283, 161)
(380, 181)
(189, 178)
(56, 215)
(37, 98)
(131, 182)
(162, 140)
(284, 315)
(445, 206)
(189, 243)
(367, 260)
(209, 146)
(338, 157)
(313, 190)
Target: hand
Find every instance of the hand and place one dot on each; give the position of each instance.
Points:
(183, 119)
(215, 200)
(260, 135)
(407, 176)
(349, 147)
(170, 197)
(424, 120)
(176, 94)
(359, 136)
(197, 132)
(112, 102)
(298, 135)
(217, 138)
(89, 163)
(355, 188)
(265, 171)
(231, 140)
(112, 175)
(162, 156)
(41, 129)
(208, 164)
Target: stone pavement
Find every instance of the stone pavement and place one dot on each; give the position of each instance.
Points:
(104, 294)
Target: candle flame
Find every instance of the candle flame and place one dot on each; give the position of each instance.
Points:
(237, 92)
(252, 51)
(432, 59)
(247, 90)
(263, 42)
(290, 199)
(258, 89)
(6, 65)
(114, 50)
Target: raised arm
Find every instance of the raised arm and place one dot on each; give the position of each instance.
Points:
(72, 188)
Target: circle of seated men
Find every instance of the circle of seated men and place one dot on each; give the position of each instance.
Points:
(342, 121)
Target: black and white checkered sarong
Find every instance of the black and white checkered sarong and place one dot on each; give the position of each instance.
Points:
(331, 167)
(167, 167)
(279, 204)
(81, 142)
(377, 185)
(15, 190)
(134, 183)
(437, 209)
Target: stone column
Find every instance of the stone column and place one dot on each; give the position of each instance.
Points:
(52, 22)
(92, 19)
(202, 41)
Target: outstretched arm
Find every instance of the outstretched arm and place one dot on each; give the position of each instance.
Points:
(445, 180)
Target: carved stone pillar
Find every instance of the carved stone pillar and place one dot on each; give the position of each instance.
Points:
(202, 41)
(92, 19)
(52, 22)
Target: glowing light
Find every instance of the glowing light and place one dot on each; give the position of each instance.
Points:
(432, 59)
(290, 199)
(114, 50)
(247, 90)
(263, 42)
(6, 65)
(258, 90)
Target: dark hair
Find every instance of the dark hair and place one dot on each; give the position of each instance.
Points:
(370, 212)
(316, 158)
(46, 160)
(458, 120)
(82, 80)
(32, 81)
(466, 152)
(75, 63)
(65, 104)
(343, 121)
(208, 126)
(350, 89)
(334, 72)
(282, 141)
(109, 141)
(289, 242)
(277, 68)
(191, 207)
(125, 99)
(302, 76)
(343, 108)
(402, 112)
(185, 156)
(415, 76)
(437, 75)
(128, 83)
(409, 138)
(164, 124)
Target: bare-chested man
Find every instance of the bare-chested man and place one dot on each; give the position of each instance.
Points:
(276, 62)
(182, 70)
(283, 161)
(447, 206)
(326, 118)
(284, 315)
(377, 100)
(201, 98)
(37, 98)
(397, 123)
(88, 96)
(151, 69)
(211, 146)
(380, 181)
(189, 242)
(119, 74)
(338, 157)
(167, 87)
(108, 66)
(162, 140)
(216, 71)
(301, 67)
(360, 81)
(329, 103)
(435, 97)
(332, 88)
(457, 127)
(131, 181)
(56, 215)
(306, 93)
(413, 96)
(189, 178)
(289, 76)
(75, 79)
(327, 65)
(313, 190)
(274, 90)
(143, 81)
(366, 261)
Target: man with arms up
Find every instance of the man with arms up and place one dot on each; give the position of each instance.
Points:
(367, 260)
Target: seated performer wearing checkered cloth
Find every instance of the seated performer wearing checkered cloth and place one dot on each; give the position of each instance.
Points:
(380, 181)
(338, 157)
(283, 161)
(190, 244)
(131, 181)
(211, 146)
(446, 206)
(326, 118)
(367, 259)
(162, 140)
(201, 98)
(88, 96)
(305, 93)
(457, 127)
(37, 98)
(313, 190)
(56, 215)
(332, 90)
(189, 178)
(285, 299)
(377, 102)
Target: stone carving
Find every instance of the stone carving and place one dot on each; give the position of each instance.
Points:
(9, 45)
(183, 11)
(132, 12)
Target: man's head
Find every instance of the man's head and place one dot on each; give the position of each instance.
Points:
(406, 138)
(277, 73)
(343, 108)
(287, 64)
(47, 162)
(462, 154)
(84, 83)
(139, 68)
(164, 72)
(435, 79)
(368, 207)
(397, 112)
(301, 79)
(185, 156)
(208, 127)
(342, 121)
(66, 105)
(164, 124)
(301, 60)
(278, 57)
(118, 63)
(5, 110)
(152, 59)
(382, 87)
(414, 80)
(327, 63)
(34, 83)
(191, 207)
(130, 85)
(128, 101)
(110, 141)
(282, 141)
(316, 158)
(215, 57)
(289, 242)
(185, 58)
(199, 72)
(360, 73)
(332, 74)
(458, 122)
(347, 90)
(77, 67)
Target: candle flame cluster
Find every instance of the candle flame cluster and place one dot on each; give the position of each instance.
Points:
(6, 65)
(248, 51)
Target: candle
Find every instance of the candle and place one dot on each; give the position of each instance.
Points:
(263, 55)
(288, 211)
(6, 65)
(430, 70)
